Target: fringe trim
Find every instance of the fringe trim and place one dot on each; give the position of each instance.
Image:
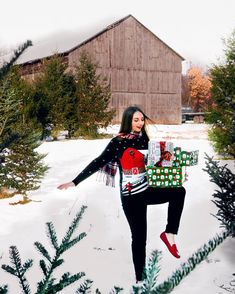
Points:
(106, 178)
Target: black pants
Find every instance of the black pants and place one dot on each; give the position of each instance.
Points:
(135, 209)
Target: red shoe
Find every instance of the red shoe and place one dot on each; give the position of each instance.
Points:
(172, 248)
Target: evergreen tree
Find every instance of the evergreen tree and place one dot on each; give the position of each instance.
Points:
(22, 90)
(10, 104)
(93, 93)
(38, 111)
(9, 114)
(222, 114)
(23, 168)
(13, 95)
(54, 100)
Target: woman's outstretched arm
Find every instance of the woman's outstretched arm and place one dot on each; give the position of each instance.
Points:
(111, 152)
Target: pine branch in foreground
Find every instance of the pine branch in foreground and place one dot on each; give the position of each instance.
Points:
(7, 66)
(48, 285)
(4, 289)
(197, 257)
(49, 264)
(116, 290)
(225, 198)
(18, 269)
(65, 281)
(85, 287)
(151, 274)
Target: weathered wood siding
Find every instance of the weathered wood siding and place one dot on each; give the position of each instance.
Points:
(142, 70)
(31, 71)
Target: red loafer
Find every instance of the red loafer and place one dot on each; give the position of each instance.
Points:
(172, 248)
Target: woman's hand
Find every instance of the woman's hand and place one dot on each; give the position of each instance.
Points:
(66, 185)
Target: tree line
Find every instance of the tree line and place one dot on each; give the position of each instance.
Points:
(30, 112)
(59, 100)
(213, 92)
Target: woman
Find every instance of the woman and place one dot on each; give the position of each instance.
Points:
(128, 150)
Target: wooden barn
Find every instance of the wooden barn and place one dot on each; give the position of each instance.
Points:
(141, 68)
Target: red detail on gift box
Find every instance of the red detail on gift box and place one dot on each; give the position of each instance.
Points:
(165, 154)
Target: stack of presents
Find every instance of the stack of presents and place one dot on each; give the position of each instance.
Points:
(166, 166)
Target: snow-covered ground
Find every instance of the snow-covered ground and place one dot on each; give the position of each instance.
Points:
(105, 254)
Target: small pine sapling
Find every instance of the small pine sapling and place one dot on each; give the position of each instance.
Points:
(23, 167)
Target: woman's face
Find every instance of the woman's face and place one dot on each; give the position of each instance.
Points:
(137, 122)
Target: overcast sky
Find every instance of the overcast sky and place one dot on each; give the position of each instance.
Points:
(193, 28)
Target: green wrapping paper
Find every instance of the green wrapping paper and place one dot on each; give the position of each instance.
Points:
(165, 177)
(185, 158)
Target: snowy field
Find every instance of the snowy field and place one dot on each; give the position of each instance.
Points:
(105, 254)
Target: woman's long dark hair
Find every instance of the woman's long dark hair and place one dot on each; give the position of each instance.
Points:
(126, 123)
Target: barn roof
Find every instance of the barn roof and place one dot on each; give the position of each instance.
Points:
(64, 44)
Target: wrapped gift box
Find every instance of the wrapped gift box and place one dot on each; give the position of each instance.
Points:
(160, 153)
(185, 158)
(166, 165)
(165, 177)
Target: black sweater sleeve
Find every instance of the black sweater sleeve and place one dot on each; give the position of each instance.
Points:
(111, 152)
